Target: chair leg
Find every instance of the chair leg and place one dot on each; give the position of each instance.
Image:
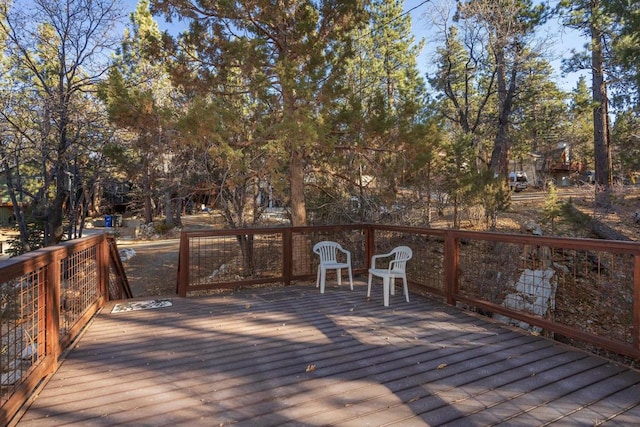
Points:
(369, 287)
(323, 278)
(385, 290)
(318, 277)
(406, 288)
(350, 278)
(392, 285)
(339, 276)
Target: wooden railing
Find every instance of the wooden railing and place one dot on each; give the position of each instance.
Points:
(47, 297)
(576, 290)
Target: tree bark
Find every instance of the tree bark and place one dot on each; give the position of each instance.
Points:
(500, 154)
(599, 228)
(602, 151)
(298, 208)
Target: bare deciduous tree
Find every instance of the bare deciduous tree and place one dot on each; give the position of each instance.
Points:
(55, 51)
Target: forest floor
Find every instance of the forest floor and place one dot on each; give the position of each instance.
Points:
(153, 268)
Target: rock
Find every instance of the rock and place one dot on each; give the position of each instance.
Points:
(532, 227)
(126, 254)
(535, 294)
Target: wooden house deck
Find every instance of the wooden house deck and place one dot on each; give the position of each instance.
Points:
(290, 356)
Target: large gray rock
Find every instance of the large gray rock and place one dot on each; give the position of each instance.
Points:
(535, 293)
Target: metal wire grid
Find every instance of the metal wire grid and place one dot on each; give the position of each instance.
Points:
(115, 290)
(426, 267)
(350, 240)
(215, 259)
(78, 286)
(588, 290)
(22, 328)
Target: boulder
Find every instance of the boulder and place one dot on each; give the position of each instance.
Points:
(534, 294)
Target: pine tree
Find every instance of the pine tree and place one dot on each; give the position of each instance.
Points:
(591, 18)
(464, 92)
(141, 98)
(291, 50)
(384, 107)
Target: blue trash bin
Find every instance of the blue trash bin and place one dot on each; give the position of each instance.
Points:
(108, 221)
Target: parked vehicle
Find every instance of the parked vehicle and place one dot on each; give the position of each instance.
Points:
(518, 181)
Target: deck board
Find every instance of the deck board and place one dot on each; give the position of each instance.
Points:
(291, 356)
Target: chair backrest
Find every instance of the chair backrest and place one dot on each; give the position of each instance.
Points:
(401, 255)
(327, 250)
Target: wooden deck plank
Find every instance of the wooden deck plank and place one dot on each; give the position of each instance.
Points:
(581, 404)
(397, 377)
(628, 417)
(438, 403)
(290, 356)
(538, 391)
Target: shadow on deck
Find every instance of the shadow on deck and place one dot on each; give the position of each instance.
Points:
(291, 356)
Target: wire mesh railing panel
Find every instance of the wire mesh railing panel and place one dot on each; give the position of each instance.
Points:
(426, 267)
(228, 258)
(590, 291)
(489, 270)
(213, 259)
(267, 255)
(594, 292)
(78, 286)
(22, 328)
(115, 290)
(352, 240)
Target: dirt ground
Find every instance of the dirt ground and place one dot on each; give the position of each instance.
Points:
(152, 271)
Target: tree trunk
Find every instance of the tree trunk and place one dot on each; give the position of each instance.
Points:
(602, 151)
(146, 195)
(168, 208)
(53, 229)
(298, 208)
(500, 154)
(597, 227)
(18, 212)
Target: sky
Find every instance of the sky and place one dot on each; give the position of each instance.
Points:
(561, 40)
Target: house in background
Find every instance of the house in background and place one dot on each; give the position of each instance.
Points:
(7, 217)
(558, 167)
(552, 166)
(30, 179)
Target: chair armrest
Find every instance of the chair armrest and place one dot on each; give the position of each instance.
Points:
(347, 254)
(375, 257)
(393, 263)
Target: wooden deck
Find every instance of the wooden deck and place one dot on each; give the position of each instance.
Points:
(292, 357)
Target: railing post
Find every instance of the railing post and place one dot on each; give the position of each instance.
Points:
(103, 255)
(183, 265)
(370, 245)
(636, 303)
(451, 265)
(52, 311)
(287, 256)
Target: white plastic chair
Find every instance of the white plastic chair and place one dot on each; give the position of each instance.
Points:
(398, 258)
(329, 252)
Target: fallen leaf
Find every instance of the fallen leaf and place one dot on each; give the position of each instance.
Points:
(310, 368)
(442, 366)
